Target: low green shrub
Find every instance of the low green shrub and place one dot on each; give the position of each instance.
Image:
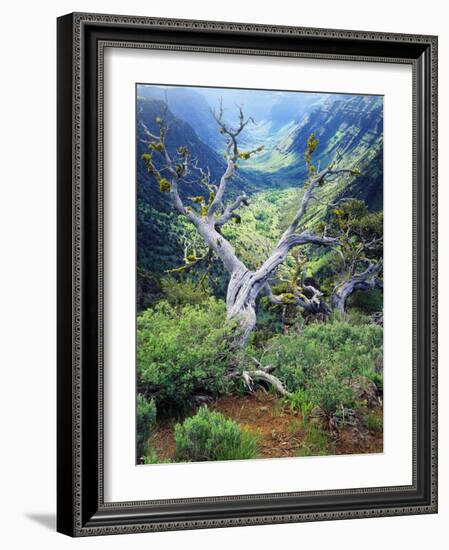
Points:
(209, 435)
(315, 441)
(374, 376)
(182, 292)
(146, 421)
(151, 457)
(318, 365)
(336, 346)
(368, 301)
(268, 323)
(300, 400)
(183, 351)
(354, 317)
(374, 421)
(329, 392)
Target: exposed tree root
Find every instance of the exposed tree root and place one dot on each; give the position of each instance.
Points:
(260, 374)
(266, 377)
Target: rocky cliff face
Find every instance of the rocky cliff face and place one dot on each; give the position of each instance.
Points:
(350, 124)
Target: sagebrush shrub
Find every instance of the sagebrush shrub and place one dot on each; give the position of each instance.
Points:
(318, 365)
(180, 293)
(331, 393)
(315, 441)
(298, 358)
(209, 435)
(146, 421)
(183, 351)
(373, 421)
(301, 401)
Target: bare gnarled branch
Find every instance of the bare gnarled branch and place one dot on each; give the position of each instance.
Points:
(229, 211)
(366, 280)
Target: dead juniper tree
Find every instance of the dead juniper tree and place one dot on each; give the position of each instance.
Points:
(209, 212)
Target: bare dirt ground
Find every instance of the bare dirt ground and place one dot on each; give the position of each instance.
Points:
(279, 429)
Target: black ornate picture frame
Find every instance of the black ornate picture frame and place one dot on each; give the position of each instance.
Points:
(81, 509)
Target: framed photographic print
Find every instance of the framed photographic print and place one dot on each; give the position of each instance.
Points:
(246, 274)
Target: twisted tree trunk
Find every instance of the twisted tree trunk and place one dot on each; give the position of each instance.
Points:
(245, 285)
(361, 281)
(241, 303)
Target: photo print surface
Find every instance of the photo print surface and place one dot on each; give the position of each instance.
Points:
(259, 277)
